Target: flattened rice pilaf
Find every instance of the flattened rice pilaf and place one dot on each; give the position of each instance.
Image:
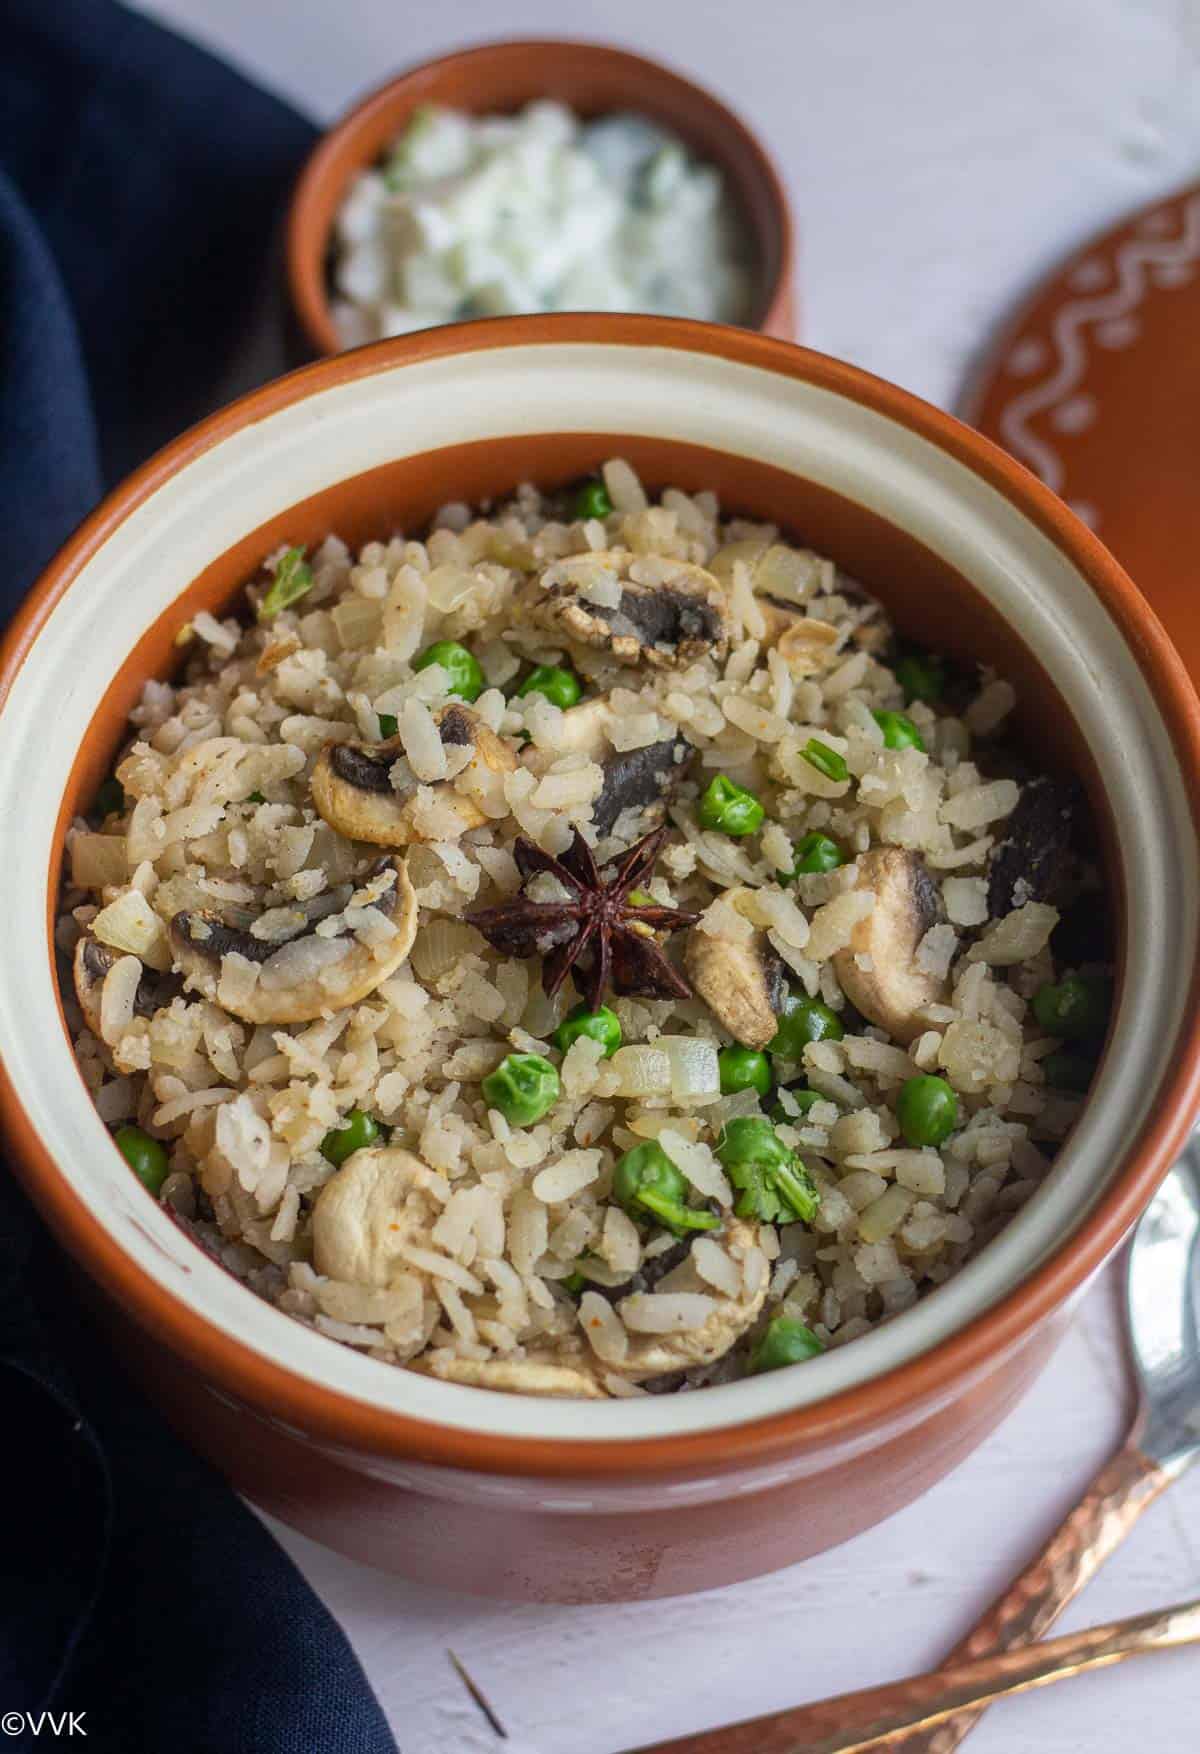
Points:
(579, 953)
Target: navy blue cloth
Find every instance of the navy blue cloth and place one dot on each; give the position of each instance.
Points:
(141, 184)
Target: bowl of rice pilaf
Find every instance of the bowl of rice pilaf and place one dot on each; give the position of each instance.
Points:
(590, 865)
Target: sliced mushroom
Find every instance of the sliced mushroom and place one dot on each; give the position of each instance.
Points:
(535, 1374)
(366, 1212)
(310, 973)
(652, 1355)
(1028, 863)
(891, 989)
(741, 980)
(91, 965)
(642, 778)
(668, 613)
(352, 786)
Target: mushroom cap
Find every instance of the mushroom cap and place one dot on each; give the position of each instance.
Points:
(532, 1375)
(308, 975)
(352, 788)
(666, 624)
(90, 966)
(653, 1355)
(892, 989)
(366, 1209)
(740, 980)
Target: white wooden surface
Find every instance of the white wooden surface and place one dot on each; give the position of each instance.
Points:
(941, 156)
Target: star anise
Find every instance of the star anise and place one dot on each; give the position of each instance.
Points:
(594, 929)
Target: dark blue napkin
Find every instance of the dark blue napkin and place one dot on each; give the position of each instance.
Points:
(141, 184)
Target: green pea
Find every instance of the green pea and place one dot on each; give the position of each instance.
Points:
(784, 1341)
(816, 852)
(649, 1185)
(744, 1069)
(825, 759)
(801, 1021)
(560, 687)
(728, 808)
(523, 1087)
(293, 579)
(466, 678)
(899, 732)
(601, 1025)
(592, 500)
(110, 798)
(1068, 1071)
(358, 1129)
(927, 1110)
(773, 1185)
(642, 898)
(922, 676)
(389, 724)
(804, 1100)
(1076, 1008)
(146, 1157)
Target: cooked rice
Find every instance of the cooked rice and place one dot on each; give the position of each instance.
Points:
(219, 817)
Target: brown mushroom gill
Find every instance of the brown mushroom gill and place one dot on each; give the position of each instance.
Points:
(92, 963)
(1027, 864)
(878, 970)
(671, 623)
(308, 974)
(457, 726)
(366, 769)
(641, 778)
(665, 617)
(354, 792)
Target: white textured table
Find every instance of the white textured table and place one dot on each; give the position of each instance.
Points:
(941, 155)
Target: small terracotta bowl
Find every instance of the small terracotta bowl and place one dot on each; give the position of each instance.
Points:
(498, 77)
(568, 1499)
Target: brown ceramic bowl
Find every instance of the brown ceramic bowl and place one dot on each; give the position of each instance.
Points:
(498, 77)
(665, 1493)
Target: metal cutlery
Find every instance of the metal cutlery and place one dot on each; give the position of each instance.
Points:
(931, 1714)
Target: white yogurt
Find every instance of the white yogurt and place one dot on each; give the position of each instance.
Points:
(541, 211)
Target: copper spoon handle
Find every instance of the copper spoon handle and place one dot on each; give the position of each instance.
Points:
(1112, 1504)
(1121, 1491)
(855, 1722)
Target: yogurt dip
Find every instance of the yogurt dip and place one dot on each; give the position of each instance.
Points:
(473, 216)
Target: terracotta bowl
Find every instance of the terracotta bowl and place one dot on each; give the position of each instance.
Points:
(497, 77)
(667, 1493)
